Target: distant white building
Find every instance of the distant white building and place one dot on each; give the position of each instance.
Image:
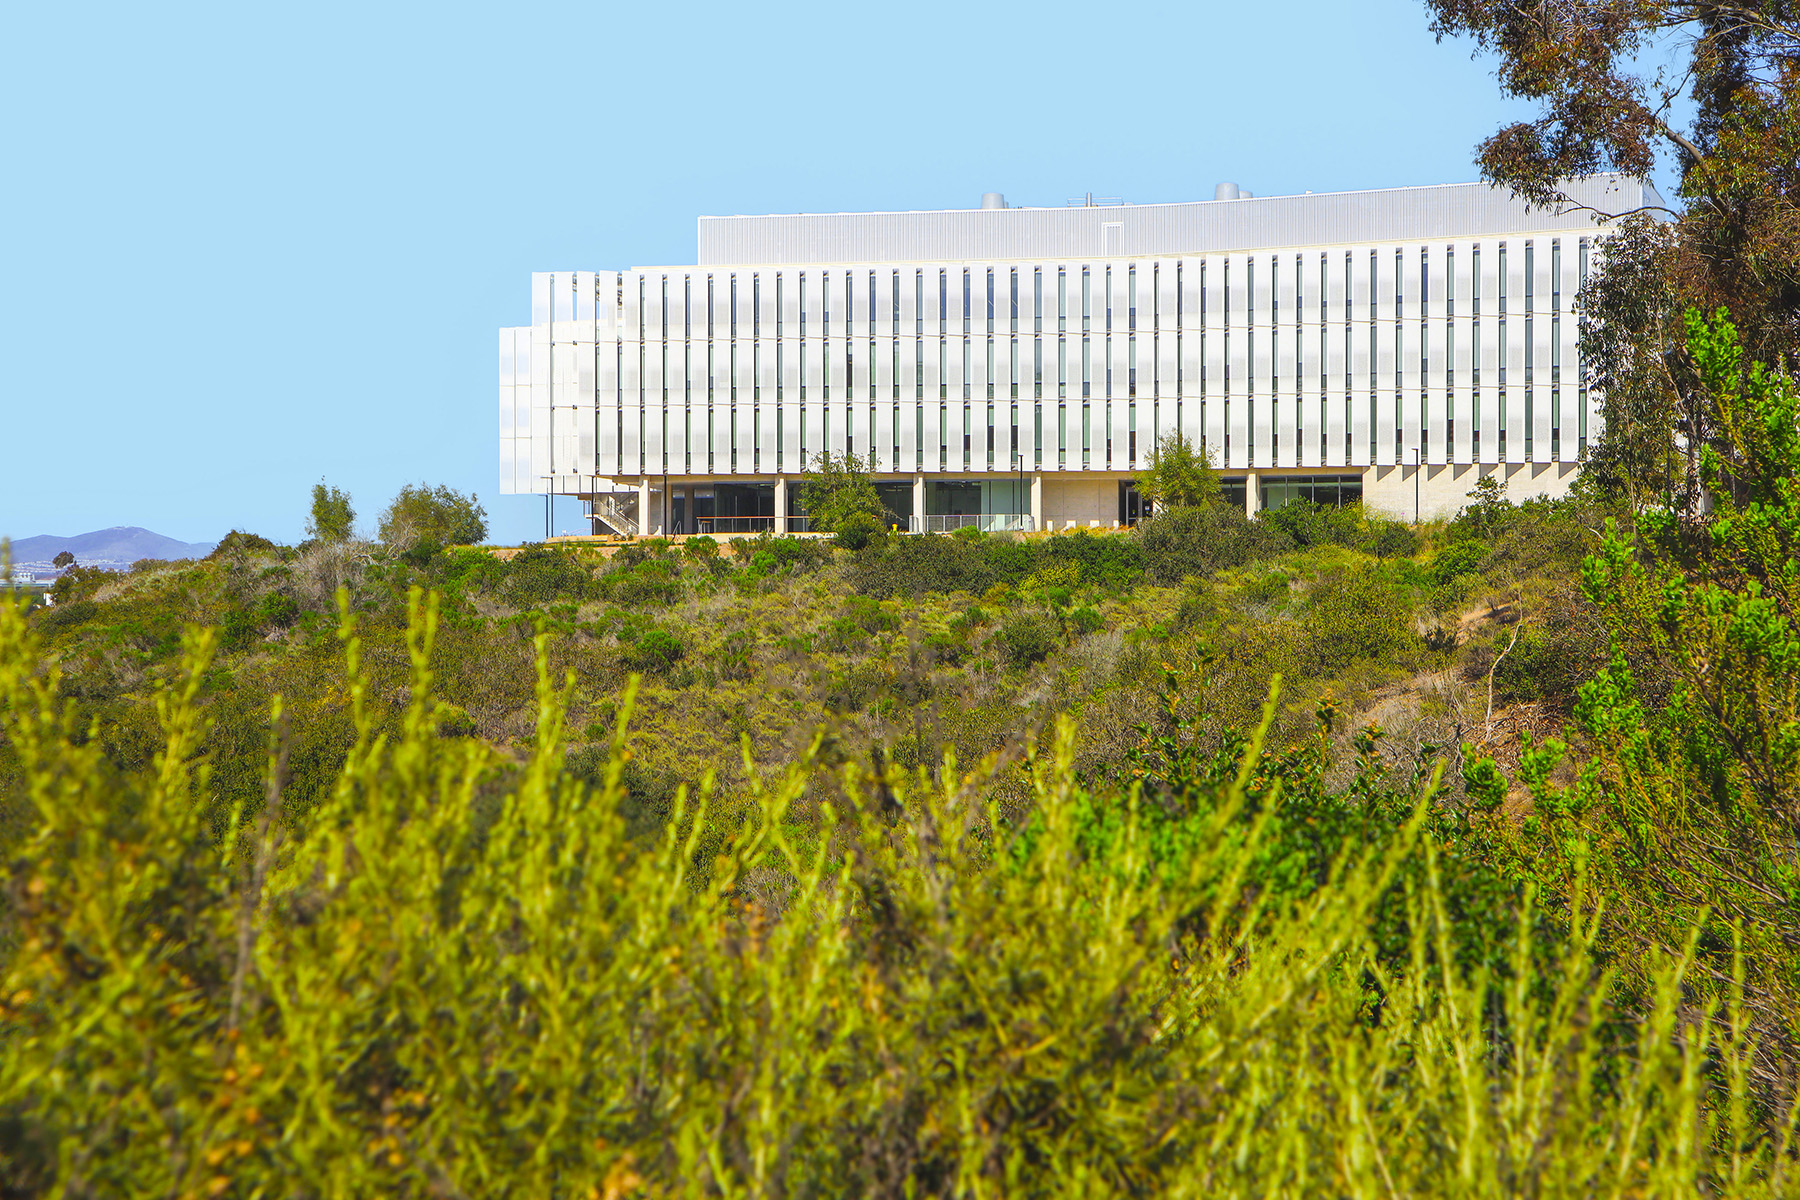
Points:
(1014, 366)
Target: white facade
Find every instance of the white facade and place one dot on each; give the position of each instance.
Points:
(1345, 335)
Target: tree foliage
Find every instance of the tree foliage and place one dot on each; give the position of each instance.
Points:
(331, 518)
(1736, 244)
(1690, 807)
(840, 497)
(1178, 474)
(437, 516)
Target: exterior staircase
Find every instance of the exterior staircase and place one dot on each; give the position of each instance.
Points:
(616, 511)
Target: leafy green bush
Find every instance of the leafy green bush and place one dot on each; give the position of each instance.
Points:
(539, 575)
(239, 543)
(1687, 809)
(1392, 539)
(1457, 558)
(913, 566)
(651, 581)
(1087, 619)
(1105, 560)
(1359, 616)
(656, 649)
(857, 530)
(781, 553)
(462, 974)
(66, 615)
(438, 516)
(1027, 638)
(1184, 542)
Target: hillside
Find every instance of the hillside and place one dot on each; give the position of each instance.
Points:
(771, 868)
(119, 546)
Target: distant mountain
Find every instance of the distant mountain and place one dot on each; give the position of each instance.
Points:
(118, 546)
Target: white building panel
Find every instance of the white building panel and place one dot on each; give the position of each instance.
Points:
(1286, 386)
(788, 401)
(584, 401)
(762, 421)
(1361, 308)
(955, 429)
(1515, 392)
(584, 305)
(1434, 346)
(1117, 414)
(1209, 379)
(1571, 382)
(540, 297)
(1334, 331)
(665, 401)
(907, 414)
(1382, 285)
(1459, 266)
(606, 306)
(982, 368)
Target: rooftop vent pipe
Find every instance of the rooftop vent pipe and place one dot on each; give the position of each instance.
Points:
(1226, 191)
(992, 200)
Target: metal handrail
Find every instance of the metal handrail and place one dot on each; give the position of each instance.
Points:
(734, 524)
(986, 522)
(609, 511)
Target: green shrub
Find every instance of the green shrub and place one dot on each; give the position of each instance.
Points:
(66, 615)
(913, 566)
(857, 530)
(539, 575)
(1359, 616)
(655, 649)
(781, 553)
(1104, 560)
(871, 615)
(238, 543)
(1391, 539)
(1457, 558)
(1195, 542)
(437, 515)
(652, 581)
(1087, 619)
(1027, 639)
(466, 974)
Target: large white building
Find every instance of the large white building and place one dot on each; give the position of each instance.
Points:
(1015, 366)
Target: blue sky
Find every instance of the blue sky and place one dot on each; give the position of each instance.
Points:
(252, 246)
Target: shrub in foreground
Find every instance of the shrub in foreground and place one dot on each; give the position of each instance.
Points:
(459, 975)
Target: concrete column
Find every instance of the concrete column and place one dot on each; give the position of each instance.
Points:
(781, 504)
(1037, 500)
(688, 523)
(1252, 494)
(919, 503)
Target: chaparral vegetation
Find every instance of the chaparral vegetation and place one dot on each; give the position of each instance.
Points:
(1310, 854)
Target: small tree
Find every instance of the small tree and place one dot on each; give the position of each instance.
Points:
(63, 559)
(839, 496)
(332, 516)
(1179, 476)
(438, 515)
